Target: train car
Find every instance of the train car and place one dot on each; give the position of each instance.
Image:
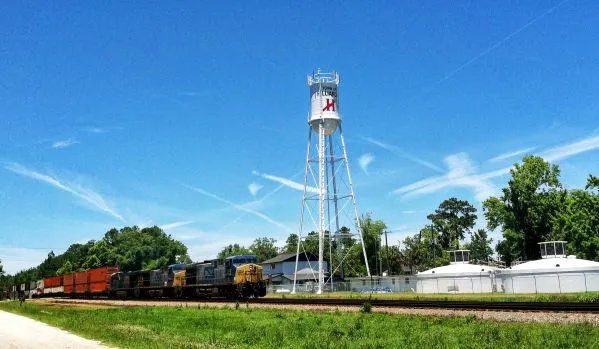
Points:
(233, 277)
(99, 280)
(53, 286)
(143, 283)
(39, 289)
(68, 281)
(32, 289)
(81, 282)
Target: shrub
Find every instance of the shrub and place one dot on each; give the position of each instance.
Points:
(366, 307)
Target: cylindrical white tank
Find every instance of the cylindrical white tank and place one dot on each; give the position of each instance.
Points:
(457, 277)
(555, 272)
(324, 101)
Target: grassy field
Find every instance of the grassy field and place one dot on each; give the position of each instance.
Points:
(157, 327)
(588, 297)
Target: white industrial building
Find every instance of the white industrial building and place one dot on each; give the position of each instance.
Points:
(457, 277)
(555, 272)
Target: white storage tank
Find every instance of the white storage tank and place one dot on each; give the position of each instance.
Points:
(555, 272)
(458, 277)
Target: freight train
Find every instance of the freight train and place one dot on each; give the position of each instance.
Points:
(232, 277)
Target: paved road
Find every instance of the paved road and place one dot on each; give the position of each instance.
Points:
(21, 332)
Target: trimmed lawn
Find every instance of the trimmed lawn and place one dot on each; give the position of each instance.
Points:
(162, 327)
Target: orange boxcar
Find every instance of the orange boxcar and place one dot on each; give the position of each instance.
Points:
(99, 278)
(81, 278)
(54, 281)
(68, 279)
(81, 288)
(101, 274)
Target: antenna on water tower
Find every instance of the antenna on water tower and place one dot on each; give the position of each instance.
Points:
(330, 184)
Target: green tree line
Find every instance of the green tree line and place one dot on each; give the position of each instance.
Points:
(131, 248)
(534, 207)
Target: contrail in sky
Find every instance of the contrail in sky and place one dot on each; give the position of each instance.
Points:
(262, 199)
(488, 50)
(240, 207)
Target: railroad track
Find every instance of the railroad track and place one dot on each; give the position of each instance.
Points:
(472, 305)
(388, 303)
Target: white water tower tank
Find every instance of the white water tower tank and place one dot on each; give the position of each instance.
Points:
(324, 100)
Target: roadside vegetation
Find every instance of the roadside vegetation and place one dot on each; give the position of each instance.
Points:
(239, 327)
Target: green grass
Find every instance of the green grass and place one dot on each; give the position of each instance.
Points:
(588, 297)
(161, 327)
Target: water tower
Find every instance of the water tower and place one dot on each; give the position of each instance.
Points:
(328, 202)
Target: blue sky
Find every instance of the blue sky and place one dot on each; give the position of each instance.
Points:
(118, 114)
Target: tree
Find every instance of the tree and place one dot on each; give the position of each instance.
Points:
(1, 268)
(480, 246)
(592, 183)
(578, 223)
(417, 253)
(67, 268)
(391, 259)
(508, 251)
(92, 262)
(291, 244)
(453, 219)
(232, 250)
(525, 211)
(371, 234)
(138, 249)
(264, 248)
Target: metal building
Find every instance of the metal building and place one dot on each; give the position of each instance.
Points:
(457, 277)
(555, 272)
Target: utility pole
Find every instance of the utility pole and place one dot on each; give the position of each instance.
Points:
(386, 251)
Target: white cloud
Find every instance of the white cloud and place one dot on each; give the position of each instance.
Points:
(95, 130)
(241, 208)
(287, 182)
(87, 195)
(565, 151)
(100, 130)
(403, 154)
(63, 144)
(175, 225)
(208, 248)
(364, 161)
(15, 259)
(254, 188)
(461, 173)
(511, 154)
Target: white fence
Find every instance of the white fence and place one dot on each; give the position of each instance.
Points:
(396, 284)
(566, 282)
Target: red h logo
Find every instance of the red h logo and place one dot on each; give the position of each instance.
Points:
(330, 105)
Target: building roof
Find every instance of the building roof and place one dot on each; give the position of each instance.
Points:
(554, 264)
(288, 257)
(457, 269)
